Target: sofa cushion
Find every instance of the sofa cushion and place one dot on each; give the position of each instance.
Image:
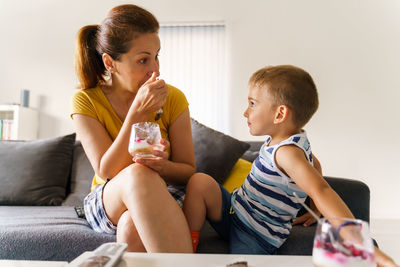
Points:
(46, 233)
(35, 172)
(81, 177)
(238, 174)
(215, 152)
(252, 153)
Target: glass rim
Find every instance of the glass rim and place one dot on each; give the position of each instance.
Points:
(145, 122)
(343, 219)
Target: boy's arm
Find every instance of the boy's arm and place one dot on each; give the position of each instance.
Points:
(307, 219)
(292, 161)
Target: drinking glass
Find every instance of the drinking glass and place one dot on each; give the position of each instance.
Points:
(144, 138)
(342, 242)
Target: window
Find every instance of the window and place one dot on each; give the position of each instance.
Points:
(192, 58)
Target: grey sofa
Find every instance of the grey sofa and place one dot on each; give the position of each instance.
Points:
(54, 232)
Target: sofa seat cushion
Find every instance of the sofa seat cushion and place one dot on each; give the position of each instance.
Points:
(300, 241)
(210, 242)
(46, 233)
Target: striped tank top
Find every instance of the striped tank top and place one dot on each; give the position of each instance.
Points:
(265, 203)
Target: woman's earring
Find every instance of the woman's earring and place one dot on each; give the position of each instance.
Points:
(107, 75)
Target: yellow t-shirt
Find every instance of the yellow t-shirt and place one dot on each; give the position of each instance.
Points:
(94, 103)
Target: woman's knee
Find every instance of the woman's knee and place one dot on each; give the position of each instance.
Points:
(134, 181)
(137, 176)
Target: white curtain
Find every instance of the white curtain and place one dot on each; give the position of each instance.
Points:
(192, 58)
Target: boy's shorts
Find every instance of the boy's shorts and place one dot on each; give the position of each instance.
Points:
(241, 240)
(96, 215)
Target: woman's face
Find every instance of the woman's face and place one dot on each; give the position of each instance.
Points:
(136, 66)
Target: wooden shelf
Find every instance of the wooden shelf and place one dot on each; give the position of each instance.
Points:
(19, 123)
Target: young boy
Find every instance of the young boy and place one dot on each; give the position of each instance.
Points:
(257, 218)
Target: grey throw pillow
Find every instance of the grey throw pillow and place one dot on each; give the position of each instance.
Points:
(81, 177)
(35, 172)
(215, 152)
(250, 155)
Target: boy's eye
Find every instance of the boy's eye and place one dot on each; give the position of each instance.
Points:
(251, 103)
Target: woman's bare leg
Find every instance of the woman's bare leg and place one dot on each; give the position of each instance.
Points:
(127, 233)
(159, 220)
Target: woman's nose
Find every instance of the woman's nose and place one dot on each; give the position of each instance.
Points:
(151, 73)
(154, 69)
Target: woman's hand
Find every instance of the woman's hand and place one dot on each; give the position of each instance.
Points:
(151, 95)
(159, 161)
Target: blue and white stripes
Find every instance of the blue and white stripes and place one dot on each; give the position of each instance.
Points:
(265, 202)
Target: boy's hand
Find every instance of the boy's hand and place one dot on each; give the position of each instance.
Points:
(383, 260)
(306, 219)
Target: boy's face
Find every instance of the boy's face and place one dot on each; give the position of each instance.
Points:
(260, 112)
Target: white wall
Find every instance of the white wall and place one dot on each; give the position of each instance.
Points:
(350, 47)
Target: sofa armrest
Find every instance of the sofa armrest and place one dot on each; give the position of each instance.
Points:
(354, 193)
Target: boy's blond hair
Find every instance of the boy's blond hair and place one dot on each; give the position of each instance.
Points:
(290, 86)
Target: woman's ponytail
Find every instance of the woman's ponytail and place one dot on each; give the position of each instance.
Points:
(89, 65)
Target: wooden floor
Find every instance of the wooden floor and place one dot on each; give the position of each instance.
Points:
(387, 234)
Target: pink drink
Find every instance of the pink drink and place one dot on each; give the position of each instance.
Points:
(343, 243)
(325, 255)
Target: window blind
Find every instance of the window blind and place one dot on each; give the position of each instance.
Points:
(192, 58)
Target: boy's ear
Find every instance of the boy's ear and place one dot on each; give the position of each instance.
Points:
(281, 114)
(108, 62)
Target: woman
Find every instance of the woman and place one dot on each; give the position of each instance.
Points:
(117, 67)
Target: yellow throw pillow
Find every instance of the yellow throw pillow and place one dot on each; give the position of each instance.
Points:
(237, 176)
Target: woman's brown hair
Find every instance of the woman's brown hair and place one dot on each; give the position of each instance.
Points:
(114, 36)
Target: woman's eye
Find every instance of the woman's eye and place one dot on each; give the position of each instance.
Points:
(157, 57)
(143, 61)
(251, 103)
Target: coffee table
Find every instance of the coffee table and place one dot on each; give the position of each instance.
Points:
(21, 263)
(133, 259)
